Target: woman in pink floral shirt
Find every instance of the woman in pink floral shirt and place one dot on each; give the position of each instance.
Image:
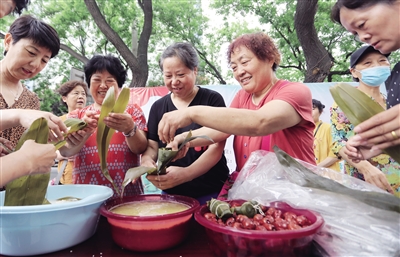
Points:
(128, 141)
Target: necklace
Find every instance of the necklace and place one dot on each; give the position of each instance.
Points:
(16, 96)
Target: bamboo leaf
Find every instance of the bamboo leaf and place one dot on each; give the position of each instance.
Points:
(74, 124)
(30, 189)
(359, 107)
(104, 133)
(302, 176)
(165, 156)
(132, 174)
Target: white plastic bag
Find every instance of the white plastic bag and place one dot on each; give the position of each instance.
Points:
(352, 228)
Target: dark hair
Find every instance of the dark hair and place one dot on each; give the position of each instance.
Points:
(354, 4)
(184, 51)
(68, 86)
(109, 63)
(318, 104)
(260, 44)
(20, 5)
(27, 26)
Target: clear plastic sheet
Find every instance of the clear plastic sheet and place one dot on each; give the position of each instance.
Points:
(352, 228)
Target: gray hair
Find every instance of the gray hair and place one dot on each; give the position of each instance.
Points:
(184, 51)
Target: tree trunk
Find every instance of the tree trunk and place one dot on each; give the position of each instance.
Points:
(138, 66)
(318, 60)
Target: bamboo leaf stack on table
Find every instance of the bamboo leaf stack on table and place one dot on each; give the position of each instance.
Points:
(31, 189)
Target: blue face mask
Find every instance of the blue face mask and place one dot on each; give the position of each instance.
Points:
(375, 76)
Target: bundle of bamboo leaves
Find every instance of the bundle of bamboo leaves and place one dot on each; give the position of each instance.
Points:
(359, 107)
(31, 189)
(105, 133)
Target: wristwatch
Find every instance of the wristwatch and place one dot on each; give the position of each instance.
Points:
(132, 132)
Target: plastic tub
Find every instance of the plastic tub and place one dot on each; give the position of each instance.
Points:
(39, 229)
(151, 233)
(227, 241)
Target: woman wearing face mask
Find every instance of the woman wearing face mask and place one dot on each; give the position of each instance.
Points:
(370, 68)
(376, 23)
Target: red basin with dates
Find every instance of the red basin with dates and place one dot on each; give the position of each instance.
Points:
(226, 241)
(150, 233)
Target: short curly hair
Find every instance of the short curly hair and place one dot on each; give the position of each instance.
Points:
(109, 63)
(260, 44)
(68, 86)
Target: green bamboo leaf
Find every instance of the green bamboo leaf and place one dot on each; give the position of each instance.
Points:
(304, 177)
(132, 174)
(74, 124)
(221, 209)
(165, 156)
(104, 133)
(30, 189)
(358, 107)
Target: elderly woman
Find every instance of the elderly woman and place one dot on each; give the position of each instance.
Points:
(368, 21)
(73, 96)
(370, 68)
(127, 143)
(266, 112)
(202, 172)
(29, 46)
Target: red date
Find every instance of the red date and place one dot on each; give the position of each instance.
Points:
(272, 219)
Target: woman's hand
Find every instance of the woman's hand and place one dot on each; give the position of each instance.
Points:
(40, 157)
(120, 121)
(148, 163)
(92, 119)
(56, 125)
(5, 146)
(376, 177)
(175, 176)
(358, 152)
(381, 130)
(174, 145)
(171, 121)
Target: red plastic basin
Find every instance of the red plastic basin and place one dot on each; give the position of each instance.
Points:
(151, 233)
(227, 241)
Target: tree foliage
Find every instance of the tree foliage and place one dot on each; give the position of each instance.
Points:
(325, 43)
(315, 49)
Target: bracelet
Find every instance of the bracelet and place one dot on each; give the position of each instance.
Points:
(132, 132)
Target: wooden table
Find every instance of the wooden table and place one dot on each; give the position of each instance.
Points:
(101, 244)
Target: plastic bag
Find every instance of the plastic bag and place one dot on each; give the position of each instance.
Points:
(352, 228)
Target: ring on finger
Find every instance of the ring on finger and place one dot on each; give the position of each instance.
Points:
(395, 136)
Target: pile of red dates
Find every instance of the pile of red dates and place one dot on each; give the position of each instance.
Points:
(253, 216)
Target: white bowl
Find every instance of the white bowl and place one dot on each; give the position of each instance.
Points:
(39, 229)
